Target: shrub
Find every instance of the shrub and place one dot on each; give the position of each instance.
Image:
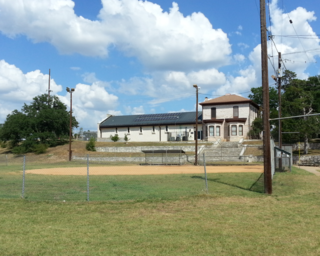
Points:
(40, 148)
(3, 144)
(91, 145)
(19, 150)
(114, 138)
(126, 139)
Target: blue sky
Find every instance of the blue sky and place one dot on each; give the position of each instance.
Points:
(137, 57)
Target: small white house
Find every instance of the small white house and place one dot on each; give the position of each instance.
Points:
(228, 118)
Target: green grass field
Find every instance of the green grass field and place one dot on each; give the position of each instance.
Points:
(122, 187)
(159, 215)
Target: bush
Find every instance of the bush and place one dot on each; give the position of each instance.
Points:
(19, 150)
(40, 148)
(3, 144)
(126, 139)
(114, 138)
(91, 145)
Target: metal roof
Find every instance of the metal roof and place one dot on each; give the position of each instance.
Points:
(228, 99)
(152, 119)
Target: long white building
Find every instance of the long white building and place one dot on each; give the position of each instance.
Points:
(228, 118)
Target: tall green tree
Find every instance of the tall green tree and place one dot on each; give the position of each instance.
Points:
(257, 97)
(44, 121)
(298, 97)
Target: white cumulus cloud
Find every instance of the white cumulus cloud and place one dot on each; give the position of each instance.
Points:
(90, 102)
(17, 88)
(172, 85)
(160, 40)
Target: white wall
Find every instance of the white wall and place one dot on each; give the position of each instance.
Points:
(148, 135)
(226, 111)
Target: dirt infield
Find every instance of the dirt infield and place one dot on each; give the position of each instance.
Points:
(145, 170)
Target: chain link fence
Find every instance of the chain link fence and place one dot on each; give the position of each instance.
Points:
(84, 179)
(75, 181)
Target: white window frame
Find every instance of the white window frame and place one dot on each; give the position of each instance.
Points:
(211, 130)
(240, 131)
(233, 133)
(218, 130)
(235, 111)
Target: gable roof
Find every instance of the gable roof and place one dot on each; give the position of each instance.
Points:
(152, 119)
(229, 99)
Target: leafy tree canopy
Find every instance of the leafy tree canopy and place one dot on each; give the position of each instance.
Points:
(298, 97)
(44, 121)
(256, 96)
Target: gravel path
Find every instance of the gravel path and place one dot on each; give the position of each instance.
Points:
(312, 169)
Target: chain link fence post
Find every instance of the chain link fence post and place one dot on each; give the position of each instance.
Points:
(23, 176)
(6, 160)
(166, 157)
(205, 172)
(88, 186)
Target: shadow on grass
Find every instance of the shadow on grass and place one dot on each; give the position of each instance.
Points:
(257, 185)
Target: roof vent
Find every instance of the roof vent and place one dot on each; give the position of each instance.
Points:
(206, 98)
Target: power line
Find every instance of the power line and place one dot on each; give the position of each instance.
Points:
(270, 34)
(297, 61)
(272, 64)
(316, 36)
(297, 35)
(311, 50)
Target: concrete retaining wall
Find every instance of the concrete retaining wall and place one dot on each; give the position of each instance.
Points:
(139, 149)
(140, 160)
(307, 160)
(309, 146)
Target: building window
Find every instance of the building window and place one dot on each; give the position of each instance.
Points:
(140, 128)
(116, 130)
(166, 128)
(153, 128)
(217, 130)
(213, 113)
(235, 112)
(240, 130)
(128, 129)
(211, 130)
(233, 130)
(228, 130)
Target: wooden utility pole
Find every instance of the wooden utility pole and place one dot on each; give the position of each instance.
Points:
(279, 107)
(265, 89)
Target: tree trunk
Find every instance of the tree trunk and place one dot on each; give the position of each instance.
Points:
(306, 144)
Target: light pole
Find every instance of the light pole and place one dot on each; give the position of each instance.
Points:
(196, 135)
(70, 91)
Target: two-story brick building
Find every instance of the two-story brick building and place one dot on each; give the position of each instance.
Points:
(228, 118)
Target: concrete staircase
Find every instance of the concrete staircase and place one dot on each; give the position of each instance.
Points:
(225, 151)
